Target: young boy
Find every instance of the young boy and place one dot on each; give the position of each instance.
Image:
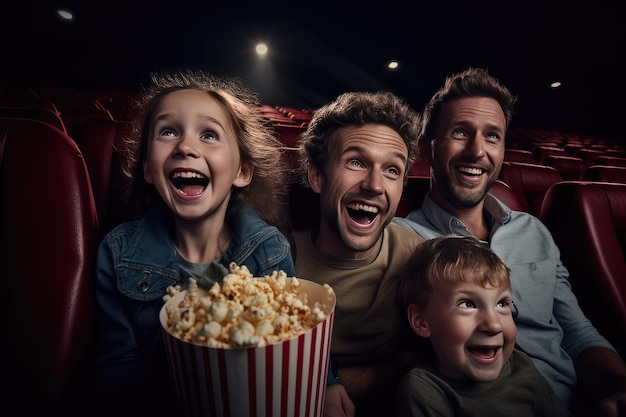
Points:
(456, 292)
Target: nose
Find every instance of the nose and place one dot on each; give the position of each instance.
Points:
(490, 322)
(373, 182)
(476, 146)
(185, 147)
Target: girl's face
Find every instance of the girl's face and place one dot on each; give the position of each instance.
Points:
(193, 156)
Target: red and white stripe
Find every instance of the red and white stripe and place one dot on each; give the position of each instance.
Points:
(286, 379)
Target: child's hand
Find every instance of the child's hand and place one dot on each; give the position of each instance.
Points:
(337, 403)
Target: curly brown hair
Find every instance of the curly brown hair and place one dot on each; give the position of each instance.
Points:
(355, 108)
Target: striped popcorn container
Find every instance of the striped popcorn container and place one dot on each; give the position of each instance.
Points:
(286, 379)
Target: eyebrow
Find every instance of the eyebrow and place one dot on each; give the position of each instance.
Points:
(362, 151)
(464, 123)
(168, 115)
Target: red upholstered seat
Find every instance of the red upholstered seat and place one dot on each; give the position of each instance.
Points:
(99, 141)
(610, 160)
(288, 134)
(520, 155)
(588, 222)
(605, 173)
(420, 168)
(44, 115)
(530, 183)
(75, 118)
(48, 229)
(504, 193)
(589, 155)
(543, 151)
(570, 167)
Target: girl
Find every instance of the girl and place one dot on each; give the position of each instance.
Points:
(207, 183)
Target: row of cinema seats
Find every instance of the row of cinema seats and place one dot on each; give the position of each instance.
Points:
(577, 186)
(569, 167)
(570, 155)
(532, 181)
(48, 232)
(50, 225)
(61, 192)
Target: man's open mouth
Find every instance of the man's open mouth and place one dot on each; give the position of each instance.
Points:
(362, 213)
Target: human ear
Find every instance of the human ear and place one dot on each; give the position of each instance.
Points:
(418, 321)
(244, 176)
(429, 147)
(314, 176)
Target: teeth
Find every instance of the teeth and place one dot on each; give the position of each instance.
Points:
(472, 171)
(187, 174)
(363, 207)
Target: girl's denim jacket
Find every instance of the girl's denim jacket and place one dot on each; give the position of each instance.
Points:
(136, 262)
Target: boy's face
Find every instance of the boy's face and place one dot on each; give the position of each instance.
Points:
(467, 151)
(360, 188)
(470, 327)
(193, 155)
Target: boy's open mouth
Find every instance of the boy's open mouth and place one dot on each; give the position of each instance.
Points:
(484, 352)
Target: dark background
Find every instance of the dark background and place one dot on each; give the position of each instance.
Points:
(320, 49)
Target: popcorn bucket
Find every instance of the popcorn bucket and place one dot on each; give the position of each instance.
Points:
(286, 379)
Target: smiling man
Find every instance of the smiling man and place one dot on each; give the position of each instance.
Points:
(464, 128)
(356, 154)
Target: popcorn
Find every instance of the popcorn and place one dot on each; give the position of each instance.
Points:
(243, 311)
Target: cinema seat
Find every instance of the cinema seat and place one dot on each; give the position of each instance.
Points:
(504, 193)
(420, 168)
(543, 151)
(589, 155)
(520, 155)
(75, 118)
(99, 141)
(288, 134)
(43, 115)
(530, 183)
(588, 222)
(48, 228)
(610, 160)
(570, 167)
(605, 173)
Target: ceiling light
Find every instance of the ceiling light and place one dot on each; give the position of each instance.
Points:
(261, 49)
(65, 15)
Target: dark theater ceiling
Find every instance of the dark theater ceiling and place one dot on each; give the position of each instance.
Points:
(319, 49)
